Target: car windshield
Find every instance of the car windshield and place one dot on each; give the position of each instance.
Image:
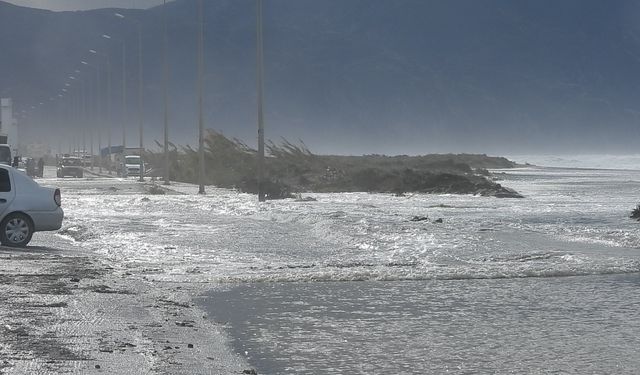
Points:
(132, 160)
(320, 186)
(71, 162)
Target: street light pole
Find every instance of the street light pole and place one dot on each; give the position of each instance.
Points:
(84, 116)
(260, 76)
(108, 114)
(200, 94)
(166, 94)
(96, 108)
(140, 84)
(141, 172)
(81, 114)
(124, 86)
(97, 115)
(124, 96)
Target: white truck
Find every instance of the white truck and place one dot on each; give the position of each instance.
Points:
(130, 163)
(8, 129)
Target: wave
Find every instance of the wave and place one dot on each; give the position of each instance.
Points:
(77, 232)
(540, 265)
(530, 257)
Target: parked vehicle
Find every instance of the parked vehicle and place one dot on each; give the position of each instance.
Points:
(5, 154)
(26, 207)
(70, 166)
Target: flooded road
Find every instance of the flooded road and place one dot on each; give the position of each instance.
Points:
(66, 308)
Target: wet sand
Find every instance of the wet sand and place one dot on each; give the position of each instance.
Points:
(62, 311)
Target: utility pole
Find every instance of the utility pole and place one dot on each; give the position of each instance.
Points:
(260, 75)
(200, 94)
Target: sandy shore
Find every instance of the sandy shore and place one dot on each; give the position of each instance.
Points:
(67, 312)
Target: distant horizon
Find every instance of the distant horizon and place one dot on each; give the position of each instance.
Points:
(78, 5)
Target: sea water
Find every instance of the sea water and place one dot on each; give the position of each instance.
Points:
(546, 284)
(350, 284)
(582, 325)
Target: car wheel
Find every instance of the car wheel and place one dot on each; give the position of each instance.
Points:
(80, 175)
(16, 230)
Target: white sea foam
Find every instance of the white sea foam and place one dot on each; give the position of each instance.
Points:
(229, 237)
(597, 161)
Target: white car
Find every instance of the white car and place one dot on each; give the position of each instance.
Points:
(26, 207)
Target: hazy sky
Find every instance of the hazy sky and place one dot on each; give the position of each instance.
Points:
(85, 4)
(359, 76)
